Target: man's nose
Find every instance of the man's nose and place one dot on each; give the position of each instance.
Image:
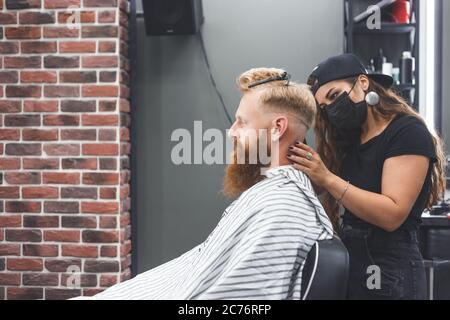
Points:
(233, 132)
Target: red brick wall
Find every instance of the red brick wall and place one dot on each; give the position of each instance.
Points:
(64, 147)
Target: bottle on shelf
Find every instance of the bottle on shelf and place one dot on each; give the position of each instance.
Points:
(371, 67)
(379, 60)
(401, 11)
(388, 68)
(407, 68)
(396, 75)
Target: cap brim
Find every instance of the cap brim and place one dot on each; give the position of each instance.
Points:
(382, 79)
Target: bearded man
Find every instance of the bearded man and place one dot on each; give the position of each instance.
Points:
(258, 248)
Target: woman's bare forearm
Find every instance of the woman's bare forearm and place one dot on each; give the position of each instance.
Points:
(372, 207)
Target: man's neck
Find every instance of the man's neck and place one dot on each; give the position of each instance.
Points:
(278, 160)
(279, 163)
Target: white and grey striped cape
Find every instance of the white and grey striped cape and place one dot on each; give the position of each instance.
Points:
(256, 251)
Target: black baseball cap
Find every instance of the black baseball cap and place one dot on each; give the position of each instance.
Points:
(342, 67)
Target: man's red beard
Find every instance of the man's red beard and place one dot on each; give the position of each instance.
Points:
(241, 176)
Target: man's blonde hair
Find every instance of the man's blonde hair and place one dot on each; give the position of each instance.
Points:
(280, 95)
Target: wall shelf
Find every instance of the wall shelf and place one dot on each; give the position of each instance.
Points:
(386, 27)
(393, 38)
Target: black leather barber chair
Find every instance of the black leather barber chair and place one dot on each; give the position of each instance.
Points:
(325, 274)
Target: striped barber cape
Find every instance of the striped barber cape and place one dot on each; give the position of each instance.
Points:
(257, 250)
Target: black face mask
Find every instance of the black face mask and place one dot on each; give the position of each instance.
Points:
(347, 117)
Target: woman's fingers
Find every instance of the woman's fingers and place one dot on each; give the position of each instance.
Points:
(304, 158)
(299, 160)
(308, 153)
(305, 147)
(297, 151)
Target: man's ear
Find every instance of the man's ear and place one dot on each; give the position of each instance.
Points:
(279, 126)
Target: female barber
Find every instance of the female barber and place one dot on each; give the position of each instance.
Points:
(377, 159)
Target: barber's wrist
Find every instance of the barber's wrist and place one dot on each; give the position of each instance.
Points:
(329, 181)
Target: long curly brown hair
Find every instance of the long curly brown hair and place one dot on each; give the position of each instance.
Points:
(332, 154)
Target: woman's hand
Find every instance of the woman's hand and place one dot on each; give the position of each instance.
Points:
(399, 188)
(305, 159)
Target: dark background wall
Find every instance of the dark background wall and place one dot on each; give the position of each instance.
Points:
(178, 206)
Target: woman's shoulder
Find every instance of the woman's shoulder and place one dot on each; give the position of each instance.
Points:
(408, 134)
(406, 124)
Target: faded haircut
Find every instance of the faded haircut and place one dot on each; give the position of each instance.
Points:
(280, 95)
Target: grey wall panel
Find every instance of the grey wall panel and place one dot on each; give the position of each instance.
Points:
(178, 206)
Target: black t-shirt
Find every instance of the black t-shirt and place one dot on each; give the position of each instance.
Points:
(363, 164)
